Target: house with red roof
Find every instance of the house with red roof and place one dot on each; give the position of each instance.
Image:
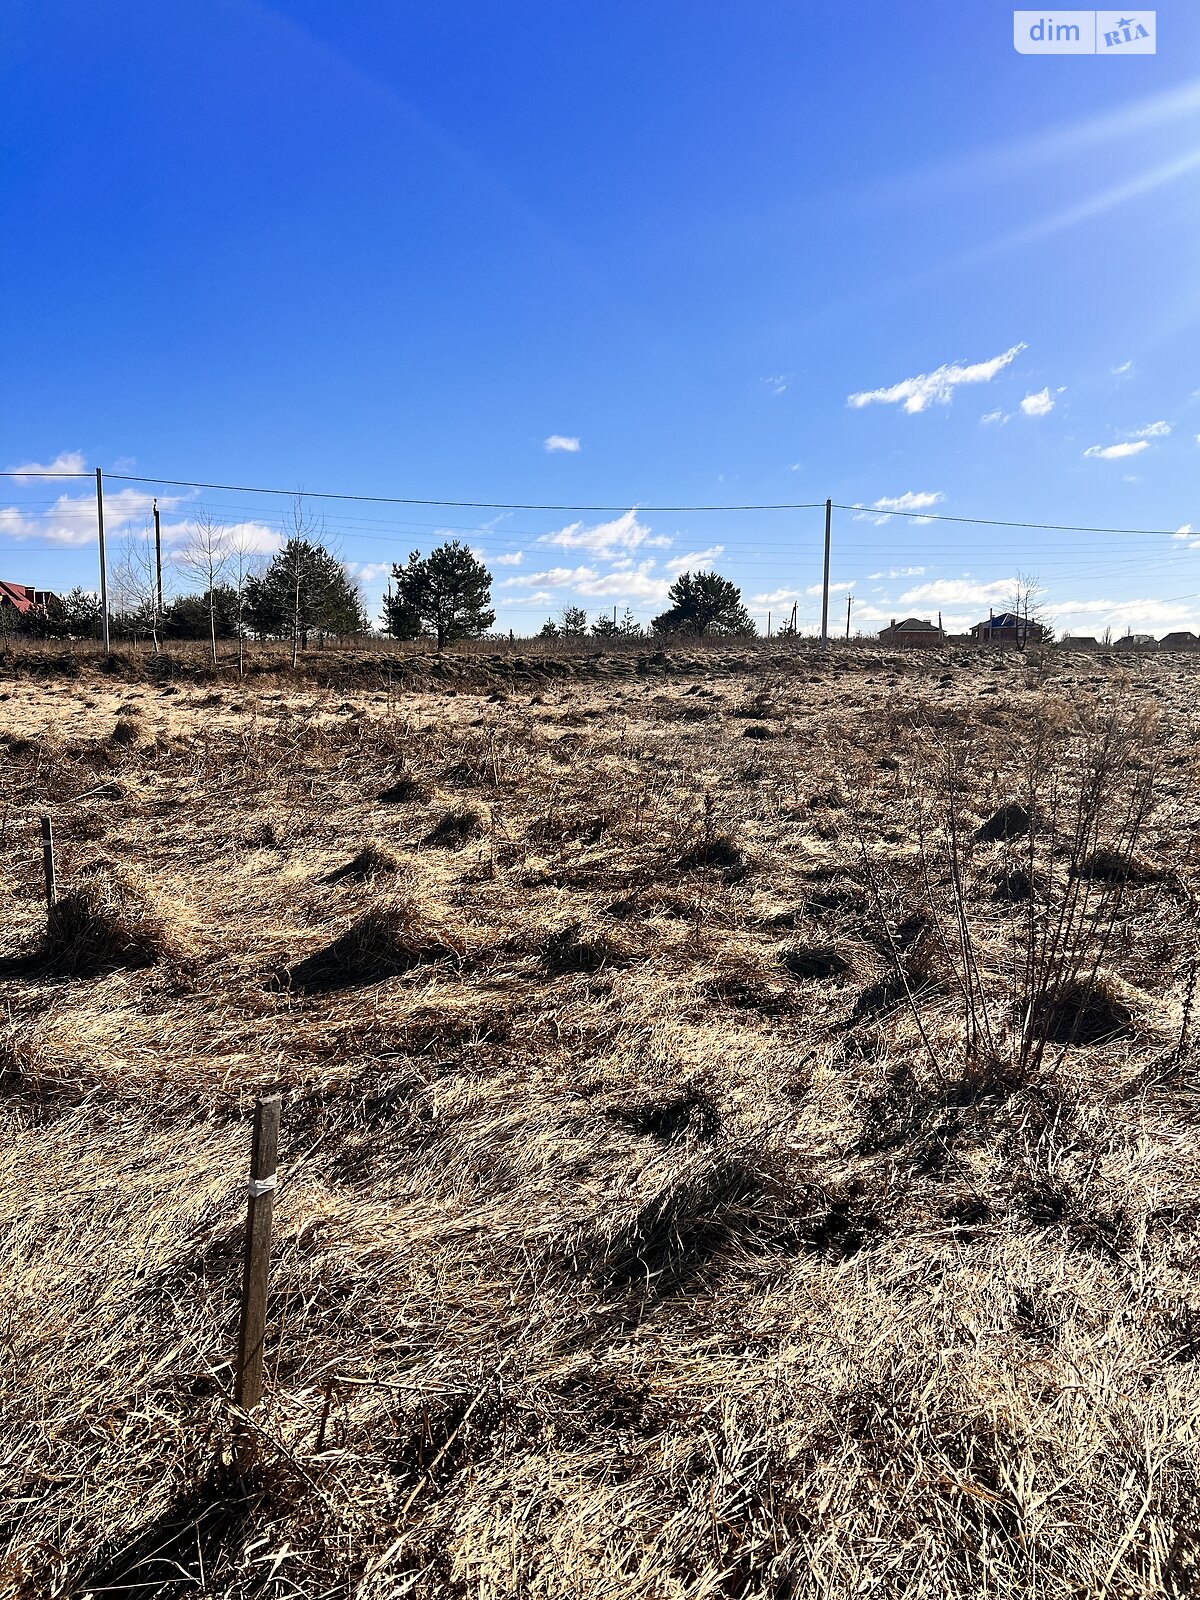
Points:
(19, 597)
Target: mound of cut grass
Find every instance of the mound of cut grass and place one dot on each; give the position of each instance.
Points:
(372, 861)
(455, 829)
(814, 961)
(408, 790)
(392, 937)
(113, 919)
(578, 949)
(1012, 821)
(1083, 1011)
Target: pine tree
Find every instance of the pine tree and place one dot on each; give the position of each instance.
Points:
(305, 590)
(447, 594)
(704, 602)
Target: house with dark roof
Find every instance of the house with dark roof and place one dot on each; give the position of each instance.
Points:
(913, 631)
(1181, 640)
(1137, 641)
(1007, 627)
(1079, 641)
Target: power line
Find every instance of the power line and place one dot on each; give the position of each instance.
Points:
(513, 505)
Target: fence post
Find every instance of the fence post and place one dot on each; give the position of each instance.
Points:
(260, 1209)
(48, 861)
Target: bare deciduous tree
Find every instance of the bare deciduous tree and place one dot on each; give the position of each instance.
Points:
(205, 555)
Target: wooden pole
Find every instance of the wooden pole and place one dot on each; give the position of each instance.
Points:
(103, 563)
(158, 556)
(825, 585)
(48, 861)
(849, 603)
(260, 1210)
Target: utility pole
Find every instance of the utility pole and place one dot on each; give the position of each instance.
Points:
(849, 603)
(103, 564)
(795, 603)
(158, 557)
(825, 586)
(768, 624)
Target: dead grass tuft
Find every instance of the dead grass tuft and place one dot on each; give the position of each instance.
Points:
(114, 918)
(455, 829)
(392, 937)
(372, 861)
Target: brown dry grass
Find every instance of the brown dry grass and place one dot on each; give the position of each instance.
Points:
(654, 1221)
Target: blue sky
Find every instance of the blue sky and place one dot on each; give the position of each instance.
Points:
(735, 254)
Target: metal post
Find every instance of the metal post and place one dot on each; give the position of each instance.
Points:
(158, 556)
(259, 1212)
(103, 563)
(825, 585)
(48, 861)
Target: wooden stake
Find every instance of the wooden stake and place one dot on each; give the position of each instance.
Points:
(260, 1210)
(48, 861)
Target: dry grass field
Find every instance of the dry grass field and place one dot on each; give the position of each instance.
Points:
(741, 1131)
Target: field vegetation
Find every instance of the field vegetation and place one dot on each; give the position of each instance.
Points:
(740, 1126)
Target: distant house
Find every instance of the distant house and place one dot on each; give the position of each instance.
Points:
(913, 631)
(19, 597)
(1006, 627)
(1179, 641)
(1079, 641)
(1137, 641)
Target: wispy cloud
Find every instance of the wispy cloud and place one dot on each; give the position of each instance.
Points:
(1123, 370)
(562, 441)
(778, 384)
(834, 588)
(1117, 452)
(693, 560)
(938, 386)
(67, 461)
(606, 539)
(896, 572)
(959, 591)
(911, 500)
(1152, 430)
(777, 597)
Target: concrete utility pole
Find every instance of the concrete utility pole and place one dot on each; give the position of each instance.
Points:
(825, 586)
(103, 563)
(158, 557)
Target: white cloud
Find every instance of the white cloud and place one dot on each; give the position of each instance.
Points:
(1123, 370)
(562, 441)
(606, 539)
(796, 466)
(541, 598)
(1117, 452)
(553, 577)
(693, 560)
(910, 500)
(1040, 404)
(994, 416)
(778, 384)
(1185, 531)
(511, 559)
(777, 597)
(1152, 430)
(71, 520)
(834, 588)
(67, 461)
(638, 585)
(916, 394)
(959, 591)
(1136, 616)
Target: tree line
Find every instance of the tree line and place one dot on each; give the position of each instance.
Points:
(303, 592)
